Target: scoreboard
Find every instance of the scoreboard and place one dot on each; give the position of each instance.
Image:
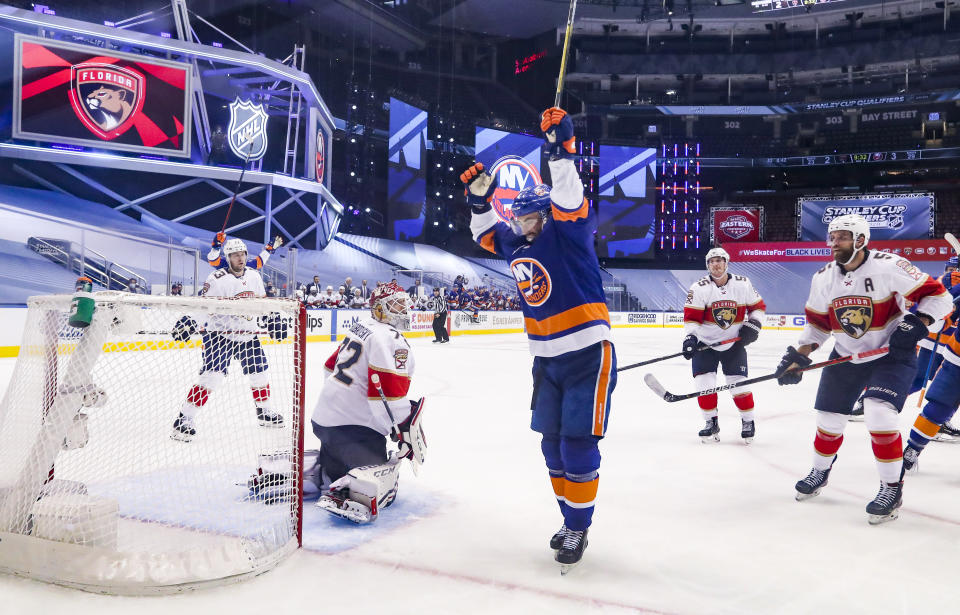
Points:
(762, 6)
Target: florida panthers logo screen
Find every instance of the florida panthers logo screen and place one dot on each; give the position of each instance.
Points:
(533, 281)
(853, 314)
(69, 93)
(724, 313)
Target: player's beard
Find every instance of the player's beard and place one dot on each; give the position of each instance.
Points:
(843, 256)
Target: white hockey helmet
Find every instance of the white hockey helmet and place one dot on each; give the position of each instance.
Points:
(232, 246)
(857, 225)
(718, 253)
(390, 304)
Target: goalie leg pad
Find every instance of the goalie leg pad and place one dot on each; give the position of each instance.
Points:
(363, 492)
(349, 446)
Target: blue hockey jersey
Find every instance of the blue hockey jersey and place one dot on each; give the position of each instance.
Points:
(557, 275)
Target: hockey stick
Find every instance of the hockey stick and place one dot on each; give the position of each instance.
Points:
(952, 240)
(659, 389)
(236, 190)
(675, 355)
(566, 48)
(395, 429)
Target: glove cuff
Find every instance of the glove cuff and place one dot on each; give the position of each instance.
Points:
(556, 151)
(479, 204)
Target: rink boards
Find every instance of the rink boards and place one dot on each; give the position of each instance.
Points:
(330, 325)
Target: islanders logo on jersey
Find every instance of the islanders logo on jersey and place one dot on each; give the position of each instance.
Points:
(854, 314)
(511, 174)
(724, 313)
(533, 281)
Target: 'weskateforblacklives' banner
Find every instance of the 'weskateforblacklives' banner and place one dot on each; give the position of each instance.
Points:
(891, 216)
(627, 216)
(406, 171)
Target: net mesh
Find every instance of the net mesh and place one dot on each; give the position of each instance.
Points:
(93, 467)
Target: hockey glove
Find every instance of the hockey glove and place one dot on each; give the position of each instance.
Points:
(791, 359)
(217, 242)
(275, 325)
(903, 341)
(557, 129)
(183, 329)
(690, 344)
(277, 242)
(750, 331)
(479, 188)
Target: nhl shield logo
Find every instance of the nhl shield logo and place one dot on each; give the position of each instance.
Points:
(853, 314)
(106, 98)
(724, 313)
(511, 174)
(247, 132)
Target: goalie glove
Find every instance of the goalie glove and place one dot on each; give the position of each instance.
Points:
(479, 188)
(183, 329)
(277, 242)
(557, 130)
(218, 240)
(409, 435)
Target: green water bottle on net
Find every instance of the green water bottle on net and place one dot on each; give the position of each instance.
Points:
(81, 309)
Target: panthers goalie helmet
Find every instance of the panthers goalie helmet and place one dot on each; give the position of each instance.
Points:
(390, 304)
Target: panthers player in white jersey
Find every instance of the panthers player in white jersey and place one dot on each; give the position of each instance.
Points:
(351, 420)
(859, 300)
(720, 307)
(226, 337)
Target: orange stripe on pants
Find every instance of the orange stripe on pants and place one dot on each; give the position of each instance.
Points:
(603, 384)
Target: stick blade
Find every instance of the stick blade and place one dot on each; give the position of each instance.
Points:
(952, 240)
(655, 386)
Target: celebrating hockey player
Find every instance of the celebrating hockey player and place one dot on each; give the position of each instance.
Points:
(352, 421)
(227, 337)
(720, 307)
(256, 262)
(951, 281)
(549, 245)
(859, 300)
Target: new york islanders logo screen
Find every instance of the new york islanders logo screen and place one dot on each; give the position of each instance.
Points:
(70, 93)
(533, 281)
(511, 174)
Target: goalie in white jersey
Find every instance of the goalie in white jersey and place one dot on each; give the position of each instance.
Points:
(352, 421)
(719, 307)
(226, 337)
(859, 300)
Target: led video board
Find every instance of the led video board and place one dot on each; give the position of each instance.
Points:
(82, 95)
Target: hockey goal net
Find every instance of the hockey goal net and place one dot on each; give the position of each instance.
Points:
(96, 493)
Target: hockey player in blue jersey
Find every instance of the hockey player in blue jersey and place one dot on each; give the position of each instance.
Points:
(549, 245)
(218, 261)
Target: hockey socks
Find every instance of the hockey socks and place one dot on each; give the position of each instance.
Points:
(925, 428)
(573, 464)
(744, 403)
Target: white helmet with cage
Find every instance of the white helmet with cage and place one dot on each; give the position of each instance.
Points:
(718, 253)
(858, 227)
(390, 304)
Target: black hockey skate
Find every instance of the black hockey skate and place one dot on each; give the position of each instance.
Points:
(747, 431)
(710, 431)
(947, 433)
(571, 551)
(910, 458)
(268, 418)
(557, 540)
(815, 481)
(183, 429)
(885, 507)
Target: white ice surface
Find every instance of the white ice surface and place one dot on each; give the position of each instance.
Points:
(680, 526)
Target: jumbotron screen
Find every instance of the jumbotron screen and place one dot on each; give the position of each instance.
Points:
(67, 93)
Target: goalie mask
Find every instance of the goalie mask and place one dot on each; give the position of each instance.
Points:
(390, 304)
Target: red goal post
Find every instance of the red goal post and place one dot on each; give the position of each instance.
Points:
(94, 492)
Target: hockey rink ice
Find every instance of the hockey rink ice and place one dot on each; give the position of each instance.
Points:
(680, 526)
